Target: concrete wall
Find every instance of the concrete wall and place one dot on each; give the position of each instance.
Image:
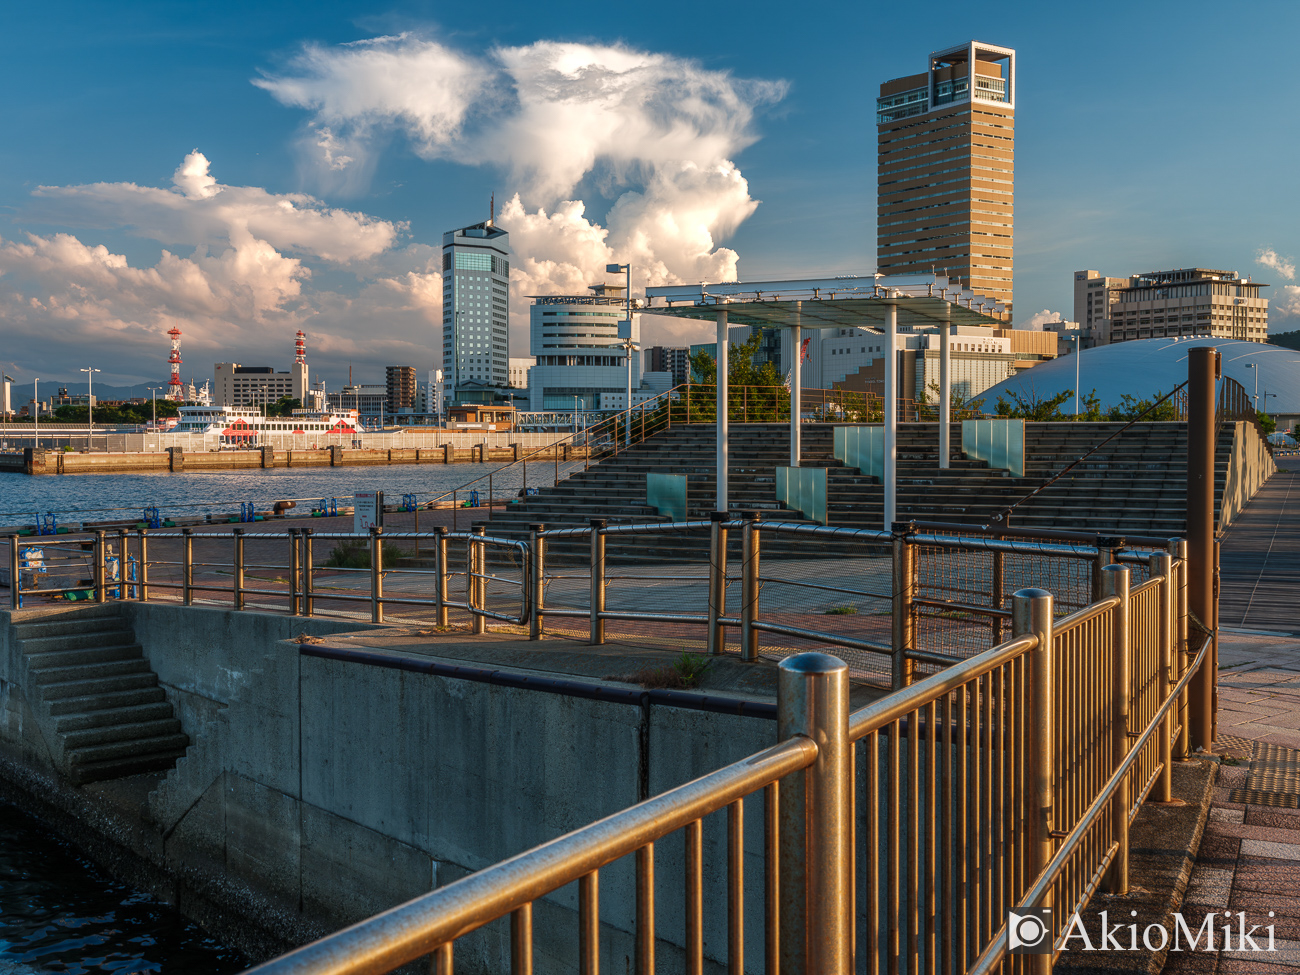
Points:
(318, 792)
(59, 462)
(1249, 467)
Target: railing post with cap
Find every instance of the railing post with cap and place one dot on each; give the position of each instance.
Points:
(295, 570)
(815, 819)
(597, 581)
(440, 579)
(308, 606)
(1116, 583)
(101, 567)
(187, 566)
(904, 591)
(376, 575)
(15, 579)
(239, 569)
(477, 589)
(1162, 565)
(1032, 616)
(123, 591)
(1183, 749)
(537, 550)
(749, 587)
(142, 540)
(716, 637)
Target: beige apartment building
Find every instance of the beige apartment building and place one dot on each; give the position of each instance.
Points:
(1186, 302)
(946, 170)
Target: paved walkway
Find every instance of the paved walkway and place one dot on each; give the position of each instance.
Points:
(1259, 563)
(1250, 855)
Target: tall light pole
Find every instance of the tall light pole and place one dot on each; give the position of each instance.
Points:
(90, 406)
(1255, 366)
(1078, 344)
(36, 414)
(154, 390)
(8, 401)
(628, 344)
(628, 347)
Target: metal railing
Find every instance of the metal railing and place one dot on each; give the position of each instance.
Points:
(896, 837)
(894, 604)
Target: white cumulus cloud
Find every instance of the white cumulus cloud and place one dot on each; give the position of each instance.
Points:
(1038, 319)
(240, 289)
(656, 132)
(198, 209)
(1285, 266)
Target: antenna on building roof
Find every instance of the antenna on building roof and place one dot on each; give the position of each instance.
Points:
(492, 210)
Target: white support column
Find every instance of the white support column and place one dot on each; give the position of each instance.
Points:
(891, 414)
(796, 393)
(945, 392)
(721, 386)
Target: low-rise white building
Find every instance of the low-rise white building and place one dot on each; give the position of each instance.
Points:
(575, 340)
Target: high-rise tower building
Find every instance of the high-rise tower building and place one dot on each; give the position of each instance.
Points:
(945, 197)
(476, 306)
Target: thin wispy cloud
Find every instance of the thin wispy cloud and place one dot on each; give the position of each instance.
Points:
(1285, 266)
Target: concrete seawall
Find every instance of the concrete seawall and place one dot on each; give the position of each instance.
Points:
(35, 461)
(316, 792)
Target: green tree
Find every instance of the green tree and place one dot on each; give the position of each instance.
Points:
(1030, 406)
(284, 406)
(1130, 408)
(1266, 423)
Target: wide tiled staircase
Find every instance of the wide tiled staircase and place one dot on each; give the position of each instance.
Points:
(1134, 485)
(97, 699)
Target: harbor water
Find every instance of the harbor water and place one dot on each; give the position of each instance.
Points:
(114, 497)
(60, 913)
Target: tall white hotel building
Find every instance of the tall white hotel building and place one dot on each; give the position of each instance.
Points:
(476, 306)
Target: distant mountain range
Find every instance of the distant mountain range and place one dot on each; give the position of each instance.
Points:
(48, 387)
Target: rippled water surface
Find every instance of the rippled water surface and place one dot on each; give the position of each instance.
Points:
(61, 913)
(113, 496)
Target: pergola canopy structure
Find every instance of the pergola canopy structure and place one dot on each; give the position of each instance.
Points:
(878, 305)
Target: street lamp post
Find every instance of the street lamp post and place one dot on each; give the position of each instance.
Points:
(36, 414)
(8, 402)
(627, 343)
(1255, 366)
(1078, 344)
(90, 406)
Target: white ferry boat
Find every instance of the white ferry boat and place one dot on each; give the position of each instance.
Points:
(242, 425)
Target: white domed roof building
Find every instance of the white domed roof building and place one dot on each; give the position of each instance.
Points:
(1146, 367)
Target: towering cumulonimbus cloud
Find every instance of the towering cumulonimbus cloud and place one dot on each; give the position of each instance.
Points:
(660, 129)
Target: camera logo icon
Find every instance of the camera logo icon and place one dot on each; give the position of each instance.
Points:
(1030, 933)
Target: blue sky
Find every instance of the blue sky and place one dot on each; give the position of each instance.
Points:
(700, 140)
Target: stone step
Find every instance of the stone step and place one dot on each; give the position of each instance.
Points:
(87, 672)
(113, 734)
(98, 686)
(107, 618)
(139, 694)
(92, 754)
(118, 768)
(106, 637)
(118, 715)
(89, 655)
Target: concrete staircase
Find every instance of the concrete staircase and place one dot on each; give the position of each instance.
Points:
(94, 690)
(1135, 485)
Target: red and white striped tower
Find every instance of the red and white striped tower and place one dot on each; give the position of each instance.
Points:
(175, 391)
(300, 348)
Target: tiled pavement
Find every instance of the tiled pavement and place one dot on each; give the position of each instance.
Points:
(1250, 855)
